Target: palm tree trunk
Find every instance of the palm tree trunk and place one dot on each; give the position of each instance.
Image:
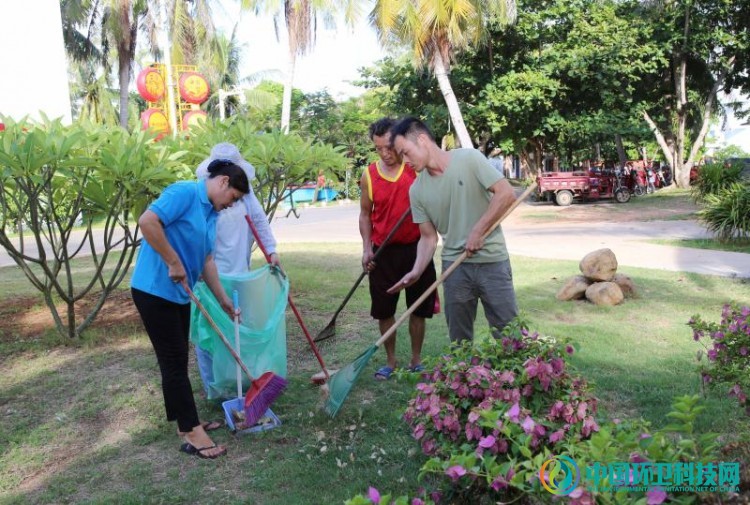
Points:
(124, 74)
(441, 74)
(286, 103)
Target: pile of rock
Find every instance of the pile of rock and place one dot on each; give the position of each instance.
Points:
(600, 283)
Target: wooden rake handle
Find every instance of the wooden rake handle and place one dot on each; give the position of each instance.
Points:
(374, 257)
(218, 332)
(450, 269)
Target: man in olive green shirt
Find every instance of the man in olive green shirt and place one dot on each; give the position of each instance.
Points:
(460, 196)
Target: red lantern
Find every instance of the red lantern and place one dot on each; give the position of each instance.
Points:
(193, 87)
(150, 84)
(154, 119)
(193, 118)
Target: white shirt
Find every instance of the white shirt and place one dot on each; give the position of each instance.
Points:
(234, 240)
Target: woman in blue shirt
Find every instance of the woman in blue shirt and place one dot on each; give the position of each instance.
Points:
(178, 230)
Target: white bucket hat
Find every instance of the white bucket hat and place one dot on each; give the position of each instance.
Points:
(225, 151)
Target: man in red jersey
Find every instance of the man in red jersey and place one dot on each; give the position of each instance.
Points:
(385, 197)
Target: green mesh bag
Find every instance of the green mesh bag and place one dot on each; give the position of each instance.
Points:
(263, 297)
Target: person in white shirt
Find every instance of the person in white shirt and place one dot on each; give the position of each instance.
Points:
(234, 240)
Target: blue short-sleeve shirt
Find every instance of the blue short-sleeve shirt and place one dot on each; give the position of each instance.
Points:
(189, 221)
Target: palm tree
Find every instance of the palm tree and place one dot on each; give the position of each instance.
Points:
(191, 29)
(115, 23)
(436, 31)
(300, 17)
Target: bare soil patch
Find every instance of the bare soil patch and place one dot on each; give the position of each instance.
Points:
(24, 317)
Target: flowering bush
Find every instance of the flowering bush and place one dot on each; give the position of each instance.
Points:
(728, 351)
(493, 414)
(634, 442)
(493, 411)
(375, 498)
(617, 443)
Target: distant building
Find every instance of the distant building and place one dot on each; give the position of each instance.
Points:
(32, 58)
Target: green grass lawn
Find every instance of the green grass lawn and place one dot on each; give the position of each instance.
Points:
(741, 246)
(84, 422)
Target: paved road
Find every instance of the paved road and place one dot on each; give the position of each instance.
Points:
(338, 222)
(571, 241)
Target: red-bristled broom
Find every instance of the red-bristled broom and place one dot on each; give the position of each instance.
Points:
(263, 391)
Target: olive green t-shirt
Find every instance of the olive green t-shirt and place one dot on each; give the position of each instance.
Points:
(454, 201)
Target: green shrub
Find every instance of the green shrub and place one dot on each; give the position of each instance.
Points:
(620, 455)
(713, 178)
(727, 213)
(728, 354)
(494, 411)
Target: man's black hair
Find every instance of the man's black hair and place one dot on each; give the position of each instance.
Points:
(381, 127)
(410, 127)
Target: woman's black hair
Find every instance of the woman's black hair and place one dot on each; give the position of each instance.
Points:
(237, 176)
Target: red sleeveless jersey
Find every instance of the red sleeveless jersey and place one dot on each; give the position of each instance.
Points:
(390, 199)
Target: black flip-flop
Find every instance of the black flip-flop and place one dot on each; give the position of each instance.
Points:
(213, 425)
(189, 448)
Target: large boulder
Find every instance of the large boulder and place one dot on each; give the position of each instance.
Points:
(573, 289)
(626, 285)
(599, 265)
(604, 293)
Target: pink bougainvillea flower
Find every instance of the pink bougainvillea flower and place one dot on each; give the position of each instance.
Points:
(569, 349)
(499, 483)
(589, 425)
(486, 442)
(507, 376)
(655, 496)
(576, 493)
(556, 410)
(428, 447)
(374, 495)
(584, 499)
(513, 413)
(539, 430)
(556, 436)
(743, 350)
(419, 431)
(558, 365)
(417, 501)
(637, 458)
(473, 416)
(581, 410)
(455, 472)
(528, 425)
